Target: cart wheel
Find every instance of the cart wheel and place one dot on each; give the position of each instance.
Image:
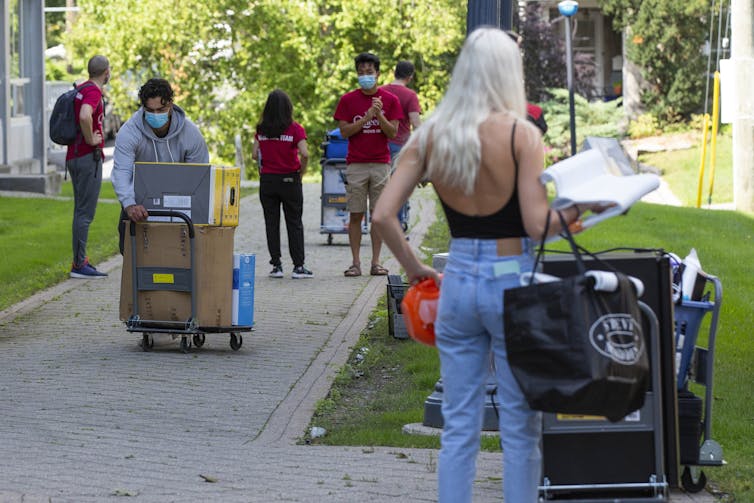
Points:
(199, 340)
(693, 479)
(147, 342)
(236, 341)
(329, 239)
(185, 344)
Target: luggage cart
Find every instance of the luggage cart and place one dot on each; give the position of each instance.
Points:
(696, 363)
(335, 216)
(185, 281)
(630, 482)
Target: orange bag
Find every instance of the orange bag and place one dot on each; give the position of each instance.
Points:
(419, 308)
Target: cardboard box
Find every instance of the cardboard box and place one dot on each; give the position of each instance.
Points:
(207, 194)
(162, 258)
(242, 312)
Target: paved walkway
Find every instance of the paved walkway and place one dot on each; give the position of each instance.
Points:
(86, 415)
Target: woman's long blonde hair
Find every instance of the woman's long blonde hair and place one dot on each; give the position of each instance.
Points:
(488, 77)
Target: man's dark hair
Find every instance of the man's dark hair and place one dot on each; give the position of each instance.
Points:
(277, 115)
(154, 88)
(367, 57)
(403, 70)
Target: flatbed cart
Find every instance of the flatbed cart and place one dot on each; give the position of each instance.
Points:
(645, 484)
(185, 281)
(696, 363)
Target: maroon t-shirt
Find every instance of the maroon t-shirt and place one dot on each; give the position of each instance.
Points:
(280, 155)
(370, 144)
(92, 96)
(409, 103)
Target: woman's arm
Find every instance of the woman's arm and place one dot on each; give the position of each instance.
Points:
(407, 175)
(303, 155)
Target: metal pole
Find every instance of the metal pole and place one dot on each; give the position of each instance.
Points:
(568, 9)
(569, 69)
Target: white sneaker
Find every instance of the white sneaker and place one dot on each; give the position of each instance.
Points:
(301, 272)
(276, 272)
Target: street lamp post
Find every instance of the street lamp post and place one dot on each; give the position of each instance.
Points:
(568, 9)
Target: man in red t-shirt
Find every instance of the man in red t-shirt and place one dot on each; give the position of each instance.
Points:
(84, 162)
(368, 117)
(404, 74)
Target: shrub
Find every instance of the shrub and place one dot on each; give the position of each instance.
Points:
(644, 125)
(593, 118)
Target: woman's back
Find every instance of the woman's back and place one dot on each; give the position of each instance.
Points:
(495, 183)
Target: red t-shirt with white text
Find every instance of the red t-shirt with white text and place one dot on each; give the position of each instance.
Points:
(409, 103)
(369, 144)
(280, 155)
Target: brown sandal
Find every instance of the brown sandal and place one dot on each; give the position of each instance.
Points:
(378, 270)
(352, 271)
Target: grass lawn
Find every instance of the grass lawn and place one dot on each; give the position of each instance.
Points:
(680, 169)
(386, 381)
(35, 239)
(36, 243)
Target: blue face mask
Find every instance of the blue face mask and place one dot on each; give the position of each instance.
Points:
(367, 81)
(156, 120)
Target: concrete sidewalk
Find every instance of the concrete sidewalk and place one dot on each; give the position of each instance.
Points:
(86, 415)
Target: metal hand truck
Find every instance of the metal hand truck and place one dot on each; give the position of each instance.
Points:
(696, 363)
(184, 281)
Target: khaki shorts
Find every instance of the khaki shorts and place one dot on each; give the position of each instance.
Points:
(365, 179)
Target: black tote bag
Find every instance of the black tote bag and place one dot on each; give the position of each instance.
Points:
(574, 349)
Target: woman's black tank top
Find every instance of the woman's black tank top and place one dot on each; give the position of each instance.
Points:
(504, 223)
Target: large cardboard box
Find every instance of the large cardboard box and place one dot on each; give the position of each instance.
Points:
(162, 252)
(207, 194)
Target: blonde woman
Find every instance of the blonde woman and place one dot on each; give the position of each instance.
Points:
(483, 159)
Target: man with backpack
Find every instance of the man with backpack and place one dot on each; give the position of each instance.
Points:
(83, 161)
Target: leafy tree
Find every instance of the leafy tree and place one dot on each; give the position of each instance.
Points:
(224, 56)
(665, 40)
(545, 58)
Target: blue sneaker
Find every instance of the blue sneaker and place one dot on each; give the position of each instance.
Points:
(87, 271)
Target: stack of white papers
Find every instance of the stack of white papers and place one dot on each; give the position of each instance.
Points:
(589, 178)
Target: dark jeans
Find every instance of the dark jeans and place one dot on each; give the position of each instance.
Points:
(275, 190)
(86, 176)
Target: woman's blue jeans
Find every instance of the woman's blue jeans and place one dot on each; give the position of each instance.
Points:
(469, 328)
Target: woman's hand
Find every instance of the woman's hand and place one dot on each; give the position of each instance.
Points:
(422, 272)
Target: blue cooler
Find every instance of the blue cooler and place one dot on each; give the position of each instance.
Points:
(336, 146)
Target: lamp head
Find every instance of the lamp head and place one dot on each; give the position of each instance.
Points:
(568, 8)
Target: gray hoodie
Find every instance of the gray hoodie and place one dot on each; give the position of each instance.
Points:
(136, 141)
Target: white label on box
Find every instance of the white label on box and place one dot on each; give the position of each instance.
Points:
(176, 201)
